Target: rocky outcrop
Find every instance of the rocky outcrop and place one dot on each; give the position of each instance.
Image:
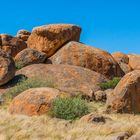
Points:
(71, 79)
(29, 56)
(134, 61)
(7, 68)
(95, 59)
(34, 101)
(123, 61)
(126, 95)
(50, 38)
(11, 45)
(23, 34)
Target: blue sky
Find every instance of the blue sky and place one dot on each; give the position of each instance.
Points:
(113, 25)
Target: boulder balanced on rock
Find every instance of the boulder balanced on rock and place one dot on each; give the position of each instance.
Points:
(50, 38)
(95, 59)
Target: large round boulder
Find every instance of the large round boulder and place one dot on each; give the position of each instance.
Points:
(134, 61)
(95, 59)
(29, 56)
(7, 68)
(126, 95)
(34, 101)
(71, 79)
(23, 34)
(50, 38)
(123, 61)
(12, 45)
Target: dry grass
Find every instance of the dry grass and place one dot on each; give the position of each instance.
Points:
(17, 127)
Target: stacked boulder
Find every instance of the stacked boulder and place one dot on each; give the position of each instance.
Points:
(50, 38)
(11, 45)
(23, 34)
(123, 61)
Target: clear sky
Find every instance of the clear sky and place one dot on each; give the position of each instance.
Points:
(113, 25)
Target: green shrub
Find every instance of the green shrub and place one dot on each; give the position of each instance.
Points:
(69, 108)
(25, 84)
(110, 84)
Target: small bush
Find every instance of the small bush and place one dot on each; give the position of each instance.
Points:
(25, 84)
(110, 84)
(69, 108)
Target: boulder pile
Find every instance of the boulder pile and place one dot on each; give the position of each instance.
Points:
(54, 52)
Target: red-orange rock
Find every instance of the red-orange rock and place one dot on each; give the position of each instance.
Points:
(34, 101)
(95, 59)
(70, 79)
(120, 57)
(29, 56)
(7, 68)
(123, 61)
(12, 45)
(134, 61)
(126, 95)
(50, 38)
(23, 34)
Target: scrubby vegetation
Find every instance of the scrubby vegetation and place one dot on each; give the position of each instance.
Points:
(69, 108)
(110, 84)
(25, 84)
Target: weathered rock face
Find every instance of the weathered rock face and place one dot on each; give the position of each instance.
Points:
(78, 54)
(34, 101)
(71, 79)
(50, 38)
(23, 34)
(134, 61)
(12, 45)
(30, 56)
(123, 61)
(7, 68)
(126, 95)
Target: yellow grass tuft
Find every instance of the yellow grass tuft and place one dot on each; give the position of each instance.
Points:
(19, 127)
